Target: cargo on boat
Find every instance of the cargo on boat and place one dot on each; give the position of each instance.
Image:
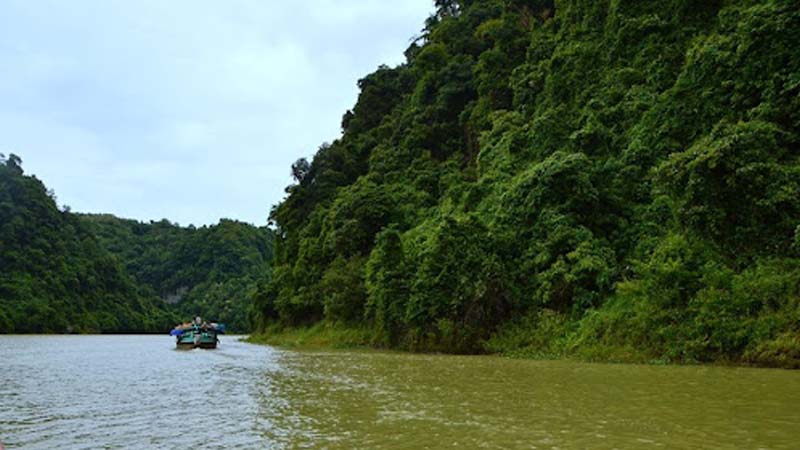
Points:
(197, 334)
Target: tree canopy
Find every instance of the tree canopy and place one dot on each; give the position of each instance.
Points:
(211, 271)
(606, 178)
(65, 272)
(56, 277)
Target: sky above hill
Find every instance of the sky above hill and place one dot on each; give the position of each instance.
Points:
(189, 110)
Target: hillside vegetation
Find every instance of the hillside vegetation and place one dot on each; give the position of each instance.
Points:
(54, 275)
(614, 180)
(66, 272)
(212, 271)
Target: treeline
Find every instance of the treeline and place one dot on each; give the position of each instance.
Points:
(54, 275)
(212, 271)
(606, 179)
(66, 272)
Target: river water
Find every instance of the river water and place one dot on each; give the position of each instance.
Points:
(90, 392)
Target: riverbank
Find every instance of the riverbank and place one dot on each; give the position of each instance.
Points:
(326, 336)
(318, 336)
(554, 342)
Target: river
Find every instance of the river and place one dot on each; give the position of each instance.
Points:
(90, 392)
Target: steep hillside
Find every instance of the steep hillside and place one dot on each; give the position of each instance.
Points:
(606, 179)
(54, 276)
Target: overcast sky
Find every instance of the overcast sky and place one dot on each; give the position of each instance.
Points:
(187, 110)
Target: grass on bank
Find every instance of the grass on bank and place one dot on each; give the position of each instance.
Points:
(319, 335)
(613, 334)
(519, 342)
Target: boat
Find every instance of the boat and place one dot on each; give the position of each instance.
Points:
(197, 334)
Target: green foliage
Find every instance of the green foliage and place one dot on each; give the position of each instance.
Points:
(738, 186)
(458, 290)
(624, 175)
(55, 275)
(343, 289)
(320, 335)
(64, 272)
(539, 334)
(387, 283)
(213, 271)
(706, 313)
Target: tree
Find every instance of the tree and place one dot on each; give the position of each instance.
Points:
(14, 163)
(300, 169)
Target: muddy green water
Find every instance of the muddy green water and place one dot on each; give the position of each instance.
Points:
(87, 392)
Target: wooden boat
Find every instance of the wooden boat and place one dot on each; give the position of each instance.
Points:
(197, 334)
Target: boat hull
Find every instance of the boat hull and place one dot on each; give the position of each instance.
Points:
(191, 339)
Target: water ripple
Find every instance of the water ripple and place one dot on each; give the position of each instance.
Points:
(115, 392)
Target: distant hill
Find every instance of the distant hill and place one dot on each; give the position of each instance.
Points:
(55, 276)
(211, 271)
(87, 273)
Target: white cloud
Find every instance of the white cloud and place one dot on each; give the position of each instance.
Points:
(189, 110)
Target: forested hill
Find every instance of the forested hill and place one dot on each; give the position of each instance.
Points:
(211, 271)
(87, 273)
(55, 276)
(608, 179)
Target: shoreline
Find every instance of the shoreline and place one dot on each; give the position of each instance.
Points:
(324, 336)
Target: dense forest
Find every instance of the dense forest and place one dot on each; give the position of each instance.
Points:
(212, 271)
(605, 179)
(67, 272)
(54, 275)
